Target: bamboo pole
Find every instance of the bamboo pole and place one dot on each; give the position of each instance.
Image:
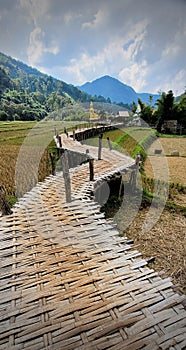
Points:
(53, 163)
(109, 143)
(66, 176)
(133, 176)
(121, 186)
(91, 168)
(74, 135)
(60, 142)
(100, 146)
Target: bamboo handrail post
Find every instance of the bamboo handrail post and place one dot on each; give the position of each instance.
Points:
(100, 146)
(66, 175)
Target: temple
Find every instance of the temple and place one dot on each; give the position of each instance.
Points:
(92, 115)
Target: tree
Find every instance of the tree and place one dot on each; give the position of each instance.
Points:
(3, 116)
(181, 112)
(5, 81)
(165, 109)
(134, 107)
(146, 112)
(150, 100)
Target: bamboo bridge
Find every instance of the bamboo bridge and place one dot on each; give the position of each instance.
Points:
(68, 281)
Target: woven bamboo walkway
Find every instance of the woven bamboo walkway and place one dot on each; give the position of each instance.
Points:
(68, 281)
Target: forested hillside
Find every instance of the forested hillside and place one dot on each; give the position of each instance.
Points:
(27, 94)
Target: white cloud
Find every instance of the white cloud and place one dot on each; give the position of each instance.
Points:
(167, 71)
(34, 9)
(37, 47)
(84, 67)
(178, 80)
(98, 20)
(171, 50)
(135, 75)
(174, 82)
(143, 46)
(122, 50)
(133, 46)
(69, 17)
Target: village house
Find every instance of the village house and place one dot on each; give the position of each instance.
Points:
(123, 116)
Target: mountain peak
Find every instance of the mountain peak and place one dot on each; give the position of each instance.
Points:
(112, 88)
(108, 78)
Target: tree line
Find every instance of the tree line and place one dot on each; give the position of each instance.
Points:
(167, 107)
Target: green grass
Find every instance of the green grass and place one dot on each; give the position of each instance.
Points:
(170, 135)
(136, 141)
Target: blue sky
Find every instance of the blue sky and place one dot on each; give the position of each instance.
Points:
(140, 42)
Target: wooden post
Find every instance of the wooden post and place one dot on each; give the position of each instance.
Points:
(137, 161)
(133, 176)
(109, 143)
(66, 176)
(74, 135)
(91, 168)
(4, 205)
(121, 186)
(53, 163)
(65, 131)
(60, 142)
(100, 146)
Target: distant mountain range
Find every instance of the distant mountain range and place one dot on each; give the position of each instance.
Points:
(115, 90)
(15, 74)
(28, 94)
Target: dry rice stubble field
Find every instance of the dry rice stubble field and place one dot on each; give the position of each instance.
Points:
(176, 165)
(12, 136)
(166, 240)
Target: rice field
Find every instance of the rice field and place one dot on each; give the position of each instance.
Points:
(164, 243)
(24, 151)
(168, 145)
(11, 138)
(176, 169)
(156, 165)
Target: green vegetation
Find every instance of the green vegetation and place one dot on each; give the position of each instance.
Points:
(166, 108)
(170, 135)
(132, 141)
(27, 94)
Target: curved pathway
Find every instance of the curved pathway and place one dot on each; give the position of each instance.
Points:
(68, 281)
